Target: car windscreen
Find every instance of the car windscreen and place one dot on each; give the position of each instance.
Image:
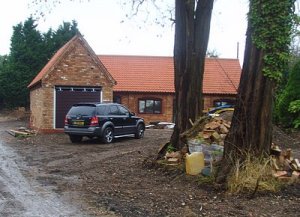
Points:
(82, 110)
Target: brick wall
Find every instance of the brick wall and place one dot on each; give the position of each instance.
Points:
(36, 107)
(131, 101)
(77, 68)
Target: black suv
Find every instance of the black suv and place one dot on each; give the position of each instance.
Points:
(103, 120)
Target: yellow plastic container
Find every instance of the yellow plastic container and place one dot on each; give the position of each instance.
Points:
(194, 163)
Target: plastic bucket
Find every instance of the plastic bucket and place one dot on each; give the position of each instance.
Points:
(194, 146)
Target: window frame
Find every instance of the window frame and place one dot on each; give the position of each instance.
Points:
(153, 106)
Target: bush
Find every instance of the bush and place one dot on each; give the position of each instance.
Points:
(285, 108)
(294, 108)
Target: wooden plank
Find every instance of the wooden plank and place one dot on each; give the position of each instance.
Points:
(17, 133)
(20, 132)
(11, 133)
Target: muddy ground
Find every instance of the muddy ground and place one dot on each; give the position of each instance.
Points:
(94, 179)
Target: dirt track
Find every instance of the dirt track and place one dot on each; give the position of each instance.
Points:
(26, 196)
(94, 179)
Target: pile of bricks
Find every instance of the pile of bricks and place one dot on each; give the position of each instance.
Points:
(286, 167)
(215, 131)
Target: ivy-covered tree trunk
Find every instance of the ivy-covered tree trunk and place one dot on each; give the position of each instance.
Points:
(251, 128)
(192, 26)
(266, 55)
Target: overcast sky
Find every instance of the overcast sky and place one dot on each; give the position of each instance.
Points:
(100, 21)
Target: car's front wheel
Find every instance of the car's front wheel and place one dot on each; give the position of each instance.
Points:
(75, 138)
(140, 131)
(108, 135)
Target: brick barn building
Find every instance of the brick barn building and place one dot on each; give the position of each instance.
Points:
(74, 74)
(145, 84)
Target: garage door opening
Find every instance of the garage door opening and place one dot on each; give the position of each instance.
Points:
(65, 97)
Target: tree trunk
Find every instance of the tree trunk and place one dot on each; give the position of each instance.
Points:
(266, 55)
(192, 26)
(251, 128)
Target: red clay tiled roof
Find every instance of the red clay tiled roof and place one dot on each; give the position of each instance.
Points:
(140, 73)
(60, 53)
(156, 74)
(221, 76)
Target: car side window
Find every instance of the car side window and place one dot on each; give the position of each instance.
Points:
(102, 110)
(113, 110)
(123, 111)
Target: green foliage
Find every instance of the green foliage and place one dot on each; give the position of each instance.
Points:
(170, 148)
(3, 60)
(287, 106)
(54, 40)
(25, 60)
(294, 108)
(64, 33)
(30, 51)
(272, 24)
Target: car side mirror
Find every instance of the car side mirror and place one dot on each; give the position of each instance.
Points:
(131, 114)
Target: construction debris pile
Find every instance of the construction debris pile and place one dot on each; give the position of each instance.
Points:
(160, 125)
(214, 132)
(210, 139)
(285, 167)
(208, 135)
(21, 132)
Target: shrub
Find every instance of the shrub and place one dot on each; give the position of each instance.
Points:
(294, 108)
(290, 94)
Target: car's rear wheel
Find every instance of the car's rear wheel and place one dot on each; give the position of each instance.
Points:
(108, 135)
(140, 131)
(75, 138)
